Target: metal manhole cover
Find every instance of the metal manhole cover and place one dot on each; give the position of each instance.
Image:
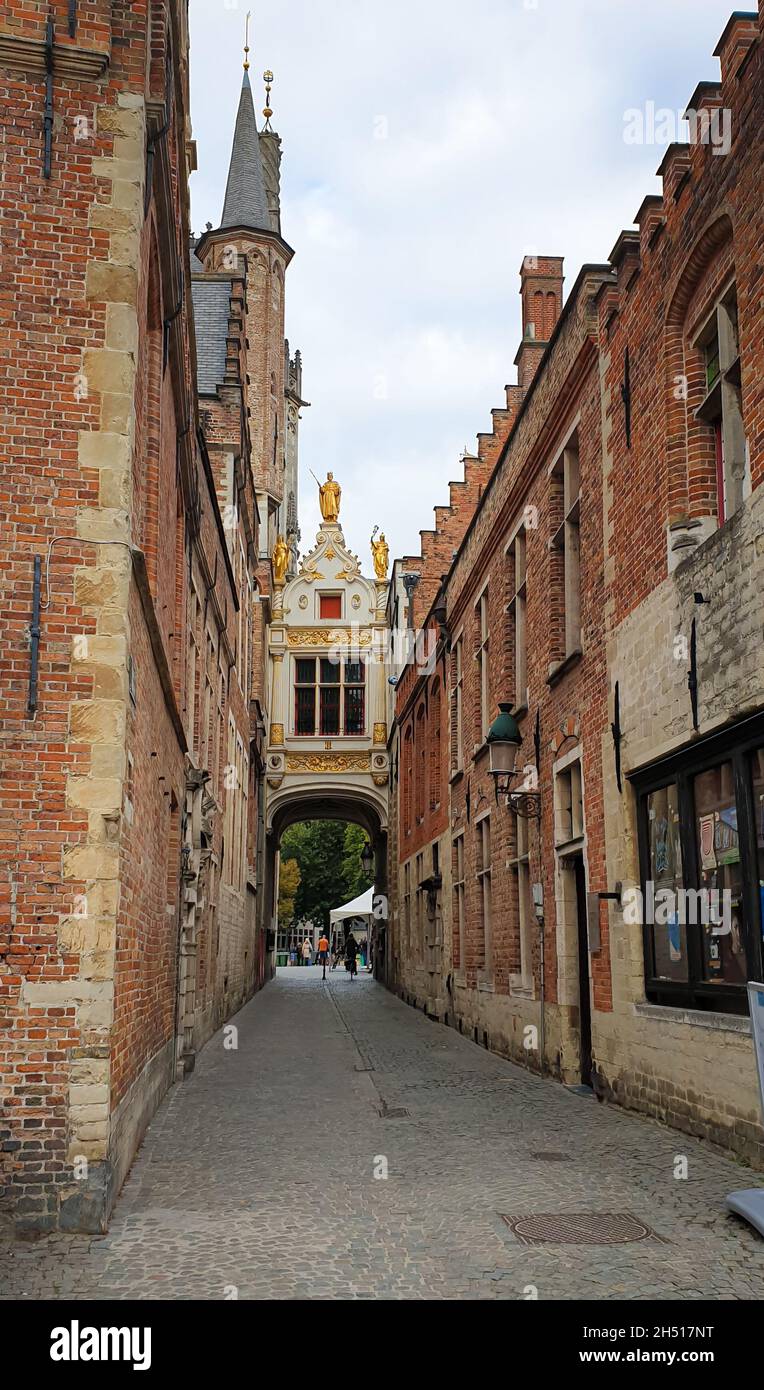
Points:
(578, 1228)
(549, 1156)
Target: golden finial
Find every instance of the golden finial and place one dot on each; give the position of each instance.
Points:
(246, 40)
(268, 80)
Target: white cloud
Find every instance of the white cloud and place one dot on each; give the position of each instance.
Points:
(503, 133)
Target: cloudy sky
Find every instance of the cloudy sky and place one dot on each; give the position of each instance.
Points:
(428, 146)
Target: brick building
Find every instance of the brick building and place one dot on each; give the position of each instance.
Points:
(606, 581)
(141, 487)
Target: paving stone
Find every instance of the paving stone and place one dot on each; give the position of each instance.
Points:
(258, 1172)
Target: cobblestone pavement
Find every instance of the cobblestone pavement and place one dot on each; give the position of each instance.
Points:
(257, 1175)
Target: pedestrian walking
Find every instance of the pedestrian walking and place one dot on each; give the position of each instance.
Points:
(323, 952)
(307, 952)
(351, 955)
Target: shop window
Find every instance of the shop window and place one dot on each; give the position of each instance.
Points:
(702, 892)
(718, 847)
(668, 937)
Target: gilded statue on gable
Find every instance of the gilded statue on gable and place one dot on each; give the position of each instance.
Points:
(329, 494)
(381, 555)
(280, 561)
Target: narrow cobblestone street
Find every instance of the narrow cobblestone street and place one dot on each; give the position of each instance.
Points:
(256, 1179)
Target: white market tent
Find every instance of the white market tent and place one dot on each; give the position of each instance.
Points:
(358, 907)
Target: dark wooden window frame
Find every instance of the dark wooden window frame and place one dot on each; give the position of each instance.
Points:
(735, 744)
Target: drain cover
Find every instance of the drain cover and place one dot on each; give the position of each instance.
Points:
(578, 1228)
(549, 1156)
(393, 1112)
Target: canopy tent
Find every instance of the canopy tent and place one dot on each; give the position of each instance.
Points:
(358, 907)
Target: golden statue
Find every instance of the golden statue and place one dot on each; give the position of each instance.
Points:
(280, 561)
(381, 554)
(329, 494)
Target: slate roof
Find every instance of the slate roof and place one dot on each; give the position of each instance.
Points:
(196, 265)
(246, 203)
(212, 308)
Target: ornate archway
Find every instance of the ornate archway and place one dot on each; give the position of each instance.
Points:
(328, 643)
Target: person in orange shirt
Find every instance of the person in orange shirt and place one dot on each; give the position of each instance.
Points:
(323, 952)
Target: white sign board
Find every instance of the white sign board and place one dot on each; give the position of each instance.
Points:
(756, 1006)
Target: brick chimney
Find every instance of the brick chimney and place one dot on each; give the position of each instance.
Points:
(541, 292)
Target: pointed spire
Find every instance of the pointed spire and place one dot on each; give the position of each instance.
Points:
(245, 199)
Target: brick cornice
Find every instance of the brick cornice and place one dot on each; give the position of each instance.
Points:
(25, 55)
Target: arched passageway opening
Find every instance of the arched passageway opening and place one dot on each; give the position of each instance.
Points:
(326, 852)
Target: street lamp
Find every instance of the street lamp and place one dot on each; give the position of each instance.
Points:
(367, 859)
(504, 739)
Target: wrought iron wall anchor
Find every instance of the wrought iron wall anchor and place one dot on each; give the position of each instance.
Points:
(48, 117)
(626, 396)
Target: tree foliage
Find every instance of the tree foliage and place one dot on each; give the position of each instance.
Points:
(289, 883)
(328, 856)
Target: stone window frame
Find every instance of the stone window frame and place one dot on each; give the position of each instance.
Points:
(569, 817)
(521, 981)
(318, 684)
(229, 812)
(458, 880)
(483, 877)
(406, 906)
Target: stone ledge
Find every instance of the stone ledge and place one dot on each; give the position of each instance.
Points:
(697, 1018)
(22, 54)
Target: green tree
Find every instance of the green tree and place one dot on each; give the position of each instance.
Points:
(289, 883)
(353, 876)
(318, 848)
